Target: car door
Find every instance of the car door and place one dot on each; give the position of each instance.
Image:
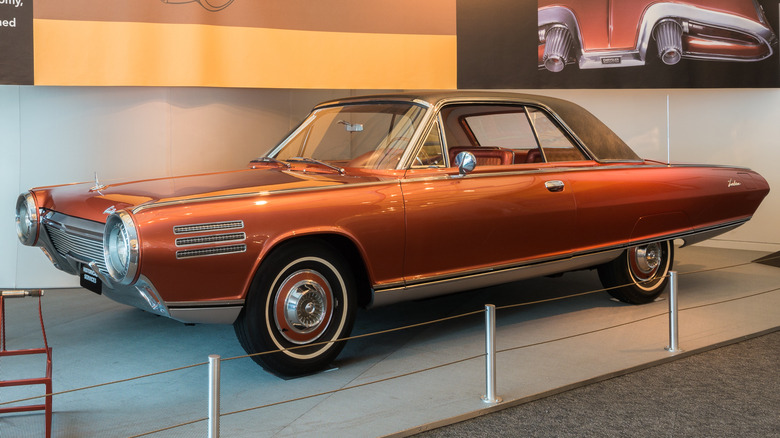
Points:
(500, 215)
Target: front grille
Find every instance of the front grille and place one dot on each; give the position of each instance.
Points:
(80, 242)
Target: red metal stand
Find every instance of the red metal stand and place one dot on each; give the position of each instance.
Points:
(46, 406)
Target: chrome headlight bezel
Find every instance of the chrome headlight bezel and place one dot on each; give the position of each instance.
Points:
(121, 248)
(27, 219)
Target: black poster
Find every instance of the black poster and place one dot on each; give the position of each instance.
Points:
(627, 44)
(16, 42)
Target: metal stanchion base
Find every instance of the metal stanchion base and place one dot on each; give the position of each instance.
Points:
(495, 401)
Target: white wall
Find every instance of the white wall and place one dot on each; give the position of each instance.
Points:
(10, 139)
(53, 135)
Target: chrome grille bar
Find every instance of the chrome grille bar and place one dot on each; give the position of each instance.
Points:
(77, 237)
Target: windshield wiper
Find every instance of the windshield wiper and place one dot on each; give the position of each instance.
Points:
(267, 159)
(338, 169)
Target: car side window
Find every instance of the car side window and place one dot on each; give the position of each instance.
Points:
(430, 155)
(555, 144)
(500, 134)
(497, 134)
(507, 130)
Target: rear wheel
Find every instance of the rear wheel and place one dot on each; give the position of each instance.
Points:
(640, 274)
(302, 301)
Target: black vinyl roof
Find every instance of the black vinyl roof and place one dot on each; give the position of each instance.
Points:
(586, 128)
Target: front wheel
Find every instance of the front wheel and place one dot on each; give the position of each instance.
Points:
(302, 301)
(640, 274)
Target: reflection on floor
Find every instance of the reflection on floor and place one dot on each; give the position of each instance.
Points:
(544, 348)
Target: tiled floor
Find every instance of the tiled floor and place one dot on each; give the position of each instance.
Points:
(543, 348)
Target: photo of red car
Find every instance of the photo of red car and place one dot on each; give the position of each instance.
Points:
(604, 33)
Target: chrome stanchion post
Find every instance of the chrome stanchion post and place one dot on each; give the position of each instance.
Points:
(490, 358)
(673, 339)
(214, 396)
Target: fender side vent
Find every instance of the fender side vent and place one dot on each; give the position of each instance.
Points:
(213, 238)
(214, 226)
(205, 252)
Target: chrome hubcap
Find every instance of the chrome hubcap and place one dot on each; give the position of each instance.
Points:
(304, 307)
(648, 258)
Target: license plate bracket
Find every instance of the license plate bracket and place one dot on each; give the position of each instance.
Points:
(89, 280)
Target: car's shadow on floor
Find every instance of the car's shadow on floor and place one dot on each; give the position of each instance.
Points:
(381, 331)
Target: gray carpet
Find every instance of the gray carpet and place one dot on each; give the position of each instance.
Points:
(733, 391)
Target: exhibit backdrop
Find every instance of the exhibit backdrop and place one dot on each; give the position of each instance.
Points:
(225, 43)
(396, 44)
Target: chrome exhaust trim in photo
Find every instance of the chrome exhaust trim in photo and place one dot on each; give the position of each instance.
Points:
(557, 47)
(668, 36)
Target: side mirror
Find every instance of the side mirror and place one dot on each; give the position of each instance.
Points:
(466, 162)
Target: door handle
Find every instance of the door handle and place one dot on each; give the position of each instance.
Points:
(554, 185)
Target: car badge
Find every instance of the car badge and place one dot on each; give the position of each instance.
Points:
(98, 187)
(110, 210)
(734, 183)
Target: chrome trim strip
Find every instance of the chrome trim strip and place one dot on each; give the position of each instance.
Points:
(157, 204)
(213, 226)
(493, 276)
(533, 171)
(210, 238)
(397, 181)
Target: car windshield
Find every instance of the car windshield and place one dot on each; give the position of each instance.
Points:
(366, 135)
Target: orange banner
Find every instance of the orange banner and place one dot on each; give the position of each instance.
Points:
(398, 44)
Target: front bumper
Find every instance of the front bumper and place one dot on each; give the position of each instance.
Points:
(71, 243)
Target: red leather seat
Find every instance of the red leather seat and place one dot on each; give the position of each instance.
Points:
(533, 156)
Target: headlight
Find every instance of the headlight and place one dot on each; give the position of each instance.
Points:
(120, 248)
(27, 219)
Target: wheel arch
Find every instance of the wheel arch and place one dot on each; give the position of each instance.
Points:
(344, 245)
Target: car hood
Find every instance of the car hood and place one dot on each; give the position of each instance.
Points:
(87, 201)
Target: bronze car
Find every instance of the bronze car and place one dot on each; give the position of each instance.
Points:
(374, 200)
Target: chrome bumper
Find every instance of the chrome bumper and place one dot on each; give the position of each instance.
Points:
(70, 242)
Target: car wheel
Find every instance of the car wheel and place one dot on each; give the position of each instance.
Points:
(302, 301)
(640, 274)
